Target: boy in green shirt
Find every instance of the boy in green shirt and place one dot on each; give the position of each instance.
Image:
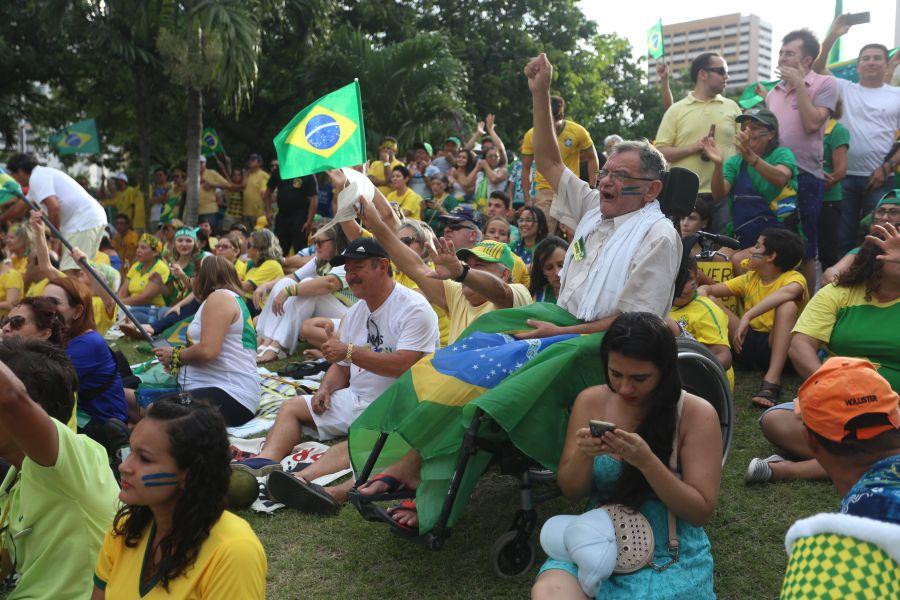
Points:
(59, 496)
(835, 145)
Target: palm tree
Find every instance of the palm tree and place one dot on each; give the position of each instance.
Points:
(412, 90)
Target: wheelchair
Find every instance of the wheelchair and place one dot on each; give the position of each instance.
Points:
(514, 552)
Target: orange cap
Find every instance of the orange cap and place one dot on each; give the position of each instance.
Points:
(842, 390)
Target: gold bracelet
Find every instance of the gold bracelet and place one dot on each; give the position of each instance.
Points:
(349, 357)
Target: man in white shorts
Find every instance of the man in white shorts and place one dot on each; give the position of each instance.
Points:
(77, 215)
(380, 338)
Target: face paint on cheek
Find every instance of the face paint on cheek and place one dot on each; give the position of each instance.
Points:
(631, 190)
(757, 256)
(160, 479)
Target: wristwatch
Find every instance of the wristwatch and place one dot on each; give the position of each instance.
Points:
(462, 275)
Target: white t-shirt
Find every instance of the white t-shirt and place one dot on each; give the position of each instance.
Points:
(79, 211)
(873, 117)
(405, 321)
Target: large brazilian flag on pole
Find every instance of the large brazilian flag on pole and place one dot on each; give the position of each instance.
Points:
(327, 134)
(526, 387)
(77, 138)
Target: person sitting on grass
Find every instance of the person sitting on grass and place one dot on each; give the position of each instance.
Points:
(546, 267)
(145, 283)
(264, 264)
(380, 338)
(702, 319)
(851, 423)
(173, 536)
(59, 497)
(656, 424)
(859, 315)
(773, 294)
(220, 365)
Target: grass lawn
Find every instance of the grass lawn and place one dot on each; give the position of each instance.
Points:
(345, 556)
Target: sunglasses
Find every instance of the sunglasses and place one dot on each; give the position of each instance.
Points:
(458, 226)
(407, 240)
(720, 70)
(15, 323)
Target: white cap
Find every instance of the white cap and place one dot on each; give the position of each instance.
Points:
(202, 158)
(121, 176)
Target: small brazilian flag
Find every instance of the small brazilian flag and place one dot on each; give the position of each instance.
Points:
(327, 134)
(750, 98)
(211, 143)
(655, 40)
(77, 138)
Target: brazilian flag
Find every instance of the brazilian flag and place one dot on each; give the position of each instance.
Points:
(750, 98)
(327, 134)
(526, 386)
(8, 187)
(847, 69)
(655, 47)
(211, 143)
(77, 138)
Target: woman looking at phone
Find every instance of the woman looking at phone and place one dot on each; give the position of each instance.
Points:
(628, 465)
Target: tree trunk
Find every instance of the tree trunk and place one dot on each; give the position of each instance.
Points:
(194, 129)
(143, 118)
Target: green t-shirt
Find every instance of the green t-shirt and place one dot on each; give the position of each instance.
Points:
(771, 193)
(834, 138)
(57, 518)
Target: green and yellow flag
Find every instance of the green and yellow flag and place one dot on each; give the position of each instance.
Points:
(327, 134)
(8, 187)
(526, 387)
(211, 143)
(655, 47)
(77, 138)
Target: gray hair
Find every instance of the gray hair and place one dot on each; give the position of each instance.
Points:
(653, 163)
(421, 231)
(267, 244)
(612, 139)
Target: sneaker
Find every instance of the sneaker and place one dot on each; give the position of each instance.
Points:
(258, 467)
(759, 471)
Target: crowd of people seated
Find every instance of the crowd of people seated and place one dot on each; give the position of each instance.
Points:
(448, 238)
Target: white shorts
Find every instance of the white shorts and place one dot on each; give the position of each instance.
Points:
(87, 241)
(336, 421)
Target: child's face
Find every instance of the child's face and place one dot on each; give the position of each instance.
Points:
(758, 254)
(687, 292)
(691, 224)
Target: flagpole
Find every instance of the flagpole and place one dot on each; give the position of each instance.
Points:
(362, 128)
(33, 206)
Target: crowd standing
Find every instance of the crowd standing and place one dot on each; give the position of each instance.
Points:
(805, 182)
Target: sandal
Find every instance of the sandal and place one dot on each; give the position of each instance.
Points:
(279, 355)
(769, 392)
(394, 486)
(302, 495)
(409, 505)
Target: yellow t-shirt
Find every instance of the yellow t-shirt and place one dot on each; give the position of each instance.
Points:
(126, 245)
(207, 203)
(10, 280)
(253, 193)
(231, 564)
(20, 263)
(751, 288)
(443, 318)
(572, 140)
(102, 258)
(270, 270)
(102, 319)
(520, 272)
(705, 322)
(410, 203)
(688, 120)
(241, 268)
(138, 280)
(131, 202)
(462, 314)
(377, 170)
(37, 288)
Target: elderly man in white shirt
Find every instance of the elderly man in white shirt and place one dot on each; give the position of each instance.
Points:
(625, 253)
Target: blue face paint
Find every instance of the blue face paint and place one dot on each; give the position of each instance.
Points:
(160, 479)
(630, 188)
(632, 194)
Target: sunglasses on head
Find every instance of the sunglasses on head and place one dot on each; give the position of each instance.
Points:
(15, 323)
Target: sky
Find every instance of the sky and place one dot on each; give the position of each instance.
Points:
(783, 15)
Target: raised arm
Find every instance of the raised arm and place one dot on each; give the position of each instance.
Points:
(476, 135)
(546, 150)
(41, 252)
(448, 266)
(33, 431)
(489, 123)
(662, 72)
(838, 28)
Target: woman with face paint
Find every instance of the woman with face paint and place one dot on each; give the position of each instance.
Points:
(173, 537)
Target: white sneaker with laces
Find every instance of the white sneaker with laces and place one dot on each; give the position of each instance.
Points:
(759, 471)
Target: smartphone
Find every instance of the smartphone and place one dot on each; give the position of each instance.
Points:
(598, 428)
(856, 18)
(712, 131)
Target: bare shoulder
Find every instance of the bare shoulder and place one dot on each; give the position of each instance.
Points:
(594, 396)
(697, 410)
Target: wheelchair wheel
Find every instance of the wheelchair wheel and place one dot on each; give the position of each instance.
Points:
(702, 375)
(512, 556)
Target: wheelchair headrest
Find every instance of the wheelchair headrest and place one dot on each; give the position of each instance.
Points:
(679, 192)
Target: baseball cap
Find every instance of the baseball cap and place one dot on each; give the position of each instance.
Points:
(201, 158)
(847, 397)
(423, 146)
(454, 139)
(364, 247)
(461, 214)
(489, 251)
(892, 197)
(121, 177)
(763, 116)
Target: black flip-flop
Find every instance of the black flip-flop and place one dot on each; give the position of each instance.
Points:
(302, 495)
(396, 489)
(299, 370)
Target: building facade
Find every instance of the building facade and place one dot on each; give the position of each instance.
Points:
(745, 41)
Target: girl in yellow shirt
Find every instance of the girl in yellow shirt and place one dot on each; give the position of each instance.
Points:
(145, 282)
(173, 538)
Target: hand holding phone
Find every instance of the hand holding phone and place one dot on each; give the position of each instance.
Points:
(598, 428)
(856, 18)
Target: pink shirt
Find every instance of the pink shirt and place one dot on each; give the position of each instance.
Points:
(807, 147)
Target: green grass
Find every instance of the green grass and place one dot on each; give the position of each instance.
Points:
(345, 556)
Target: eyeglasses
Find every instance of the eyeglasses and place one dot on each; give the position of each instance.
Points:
(887, 213)
(407, 240)
(720, 70)
(15, 323)
(321, 242)
(525, 221)
(621, 176)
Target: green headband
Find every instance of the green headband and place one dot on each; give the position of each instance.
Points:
(186, 232)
